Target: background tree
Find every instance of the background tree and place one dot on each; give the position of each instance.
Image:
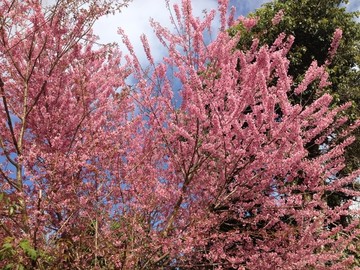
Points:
(99, 175)
(313, 25)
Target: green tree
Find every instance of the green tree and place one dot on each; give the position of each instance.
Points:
(313, 23)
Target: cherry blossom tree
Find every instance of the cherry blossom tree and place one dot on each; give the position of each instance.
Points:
(96, 174)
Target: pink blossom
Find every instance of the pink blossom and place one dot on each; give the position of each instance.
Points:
(278, 17)
(334, 45)
(248, 23)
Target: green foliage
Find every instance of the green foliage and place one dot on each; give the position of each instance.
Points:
(7, 249)
(28, 249)
(22, 255)
(313, 23)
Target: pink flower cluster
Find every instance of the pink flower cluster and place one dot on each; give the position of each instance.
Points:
(278, 17)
